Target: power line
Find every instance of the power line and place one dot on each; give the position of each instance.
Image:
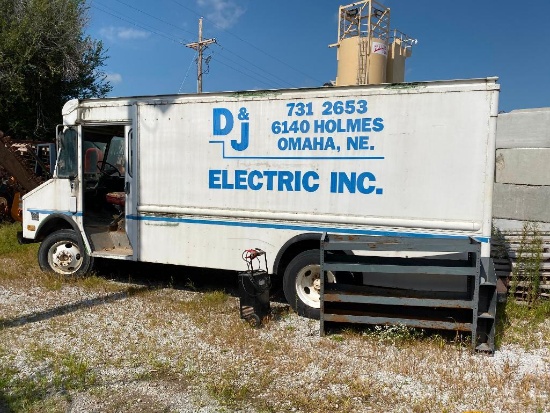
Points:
(218, 58)
(284, 85)
(187, 73)
(148, 29)
(156, 18)
(250, 44)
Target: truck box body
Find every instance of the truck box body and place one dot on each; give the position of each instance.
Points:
(207, 176)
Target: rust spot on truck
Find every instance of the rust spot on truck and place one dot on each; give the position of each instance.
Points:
(411, 85)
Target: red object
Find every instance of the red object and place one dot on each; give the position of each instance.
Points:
(116, 198)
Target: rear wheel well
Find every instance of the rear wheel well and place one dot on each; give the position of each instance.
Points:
(293, 250)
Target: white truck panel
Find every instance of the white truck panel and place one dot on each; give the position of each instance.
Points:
(218, 173)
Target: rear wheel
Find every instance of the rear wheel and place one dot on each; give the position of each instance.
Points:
(302, 283)
(61, 252)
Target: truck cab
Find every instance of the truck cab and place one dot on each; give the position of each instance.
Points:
(80, 213)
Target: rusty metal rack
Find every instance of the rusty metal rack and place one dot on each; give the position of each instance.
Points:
(355, 261)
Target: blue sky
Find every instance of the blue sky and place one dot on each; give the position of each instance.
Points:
(265, 44)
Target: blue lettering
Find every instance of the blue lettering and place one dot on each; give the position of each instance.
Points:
(333, 182)
(270, 177)
(365, 124)
(225, 183)
(319, 126)
(214, 179)
(240, 179)
(243, 144)
(330, 144)
(378, 125)
(349, 182)
(308, 186)
(297, 181)
(363, 142)
(340, 128)
(361, 183)
(285, 181)
(255, 186)
(318, 143)
(282, 181)
(218, 115)
(353, 125)
(294, 144)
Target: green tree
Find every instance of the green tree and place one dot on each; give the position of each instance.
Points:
(45, 59)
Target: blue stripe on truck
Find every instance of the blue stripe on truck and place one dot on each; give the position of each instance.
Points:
(297, 227)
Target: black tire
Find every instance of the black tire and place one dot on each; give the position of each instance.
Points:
(254, 321)
(304, 265)
(63, 253)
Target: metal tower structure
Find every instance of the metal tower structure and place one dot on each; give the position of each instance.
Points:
(366, 48)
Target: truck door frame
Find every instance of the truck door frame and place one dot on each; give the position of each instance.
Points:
(130, 187)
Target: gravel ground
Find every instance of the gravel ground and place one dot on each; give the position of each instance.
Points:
(124, 347)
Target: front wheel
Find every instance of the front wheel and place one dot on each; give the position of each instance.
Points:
(61, 252)
(302, 283)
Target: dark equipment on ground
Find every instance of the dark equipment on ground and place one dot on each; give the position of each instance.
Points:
(254, 285)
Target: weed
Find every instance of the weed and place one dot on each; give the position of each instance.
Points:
(520, 323)
(394, 334)
(229, 389)
(52, 282)
(46, 388)
(526, 274)
(72, 373)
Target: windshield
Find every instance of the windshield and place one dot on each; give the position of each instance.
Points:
(115, 156)
(67, 158)
(102, 154)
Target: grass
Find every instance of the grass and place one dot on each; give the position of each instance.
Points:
(523, 324)
(50, 387)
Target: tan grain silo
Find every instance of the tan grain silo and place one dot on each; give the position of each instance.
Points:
(399, 50)
(366, 54)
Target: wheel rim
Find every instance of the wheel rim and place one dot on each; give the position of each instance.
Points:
(308, 284)
(64, 257)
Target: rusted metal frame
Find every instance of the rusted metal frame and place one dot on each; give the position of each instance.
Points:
(490, 281)
(379, 247)
(401, 269)
(334, 296)
(475, 298)
(390, 246)
(324, 241)
(341, 242)
(415, 323)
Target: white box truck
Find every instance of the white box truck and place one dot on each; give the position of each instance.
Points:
(196, 179)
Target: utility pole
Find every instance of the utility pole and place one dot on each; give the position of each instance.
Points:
(199, 46)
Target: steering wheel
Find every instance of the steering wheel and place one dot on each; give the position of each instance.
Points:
(107, 172)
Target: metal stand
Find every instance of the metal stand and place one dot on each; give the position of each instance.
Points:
(471, 310)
